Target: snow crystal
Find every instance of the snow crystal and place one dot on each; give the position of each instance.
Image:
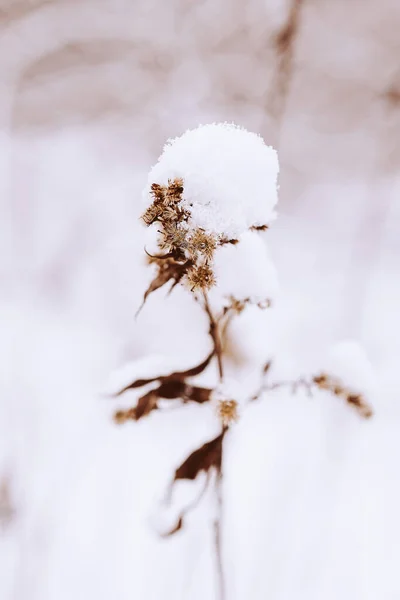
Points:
(229, 174)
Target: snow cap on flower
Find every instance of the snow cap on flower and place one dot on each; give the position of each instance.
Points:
(229, 178)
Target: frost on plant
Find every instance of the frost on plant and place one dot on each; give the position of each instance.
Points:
(210, 196)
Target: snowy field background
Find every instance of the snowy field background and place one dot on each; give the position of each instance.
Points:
(89, 91)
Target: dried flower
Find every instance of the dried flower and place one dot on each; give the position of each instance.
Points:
(174, 190)
(165, 205)
(227, 411)
(200, 277)
(174, 237)
(152, 214)
(202, 243)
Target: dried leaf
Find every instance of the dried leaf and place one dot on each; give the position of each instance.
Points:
(171, 388)
(146, 404)
(168, 269)
(135, 384)
(202, 459)
(177, 376)
(198, 394)
(122, 416)
(176, 528)
(259, 228)
(193, 371)
(223, 241)
(267, 367)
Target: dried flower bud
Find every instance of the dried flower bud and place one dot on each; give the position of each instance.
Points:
(152, 214)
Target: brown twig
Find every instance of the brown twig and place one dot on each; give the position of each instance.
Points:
(294, 385)
(215, 334)
(285, 46)
(325, 383)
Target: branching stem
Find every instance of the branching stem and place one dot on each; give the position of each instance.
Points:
(215, 335)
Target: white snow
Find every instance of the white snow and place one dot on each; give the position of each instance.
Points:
(348, 361)
(311, 493)
(244, 271)
(229, 174)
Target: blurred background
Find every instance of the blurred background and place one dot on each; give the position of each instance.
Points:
(89, 92)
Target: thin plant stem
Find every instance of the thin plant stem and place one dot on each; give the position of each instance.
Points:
(215, 335)
(218, 538)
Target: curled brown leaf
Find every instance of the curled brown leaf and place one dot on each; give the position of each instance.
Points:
(206, 457)
(167, 269)
(172, 386)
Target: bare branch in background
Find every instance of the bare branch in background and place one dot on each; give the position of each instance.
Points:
(285, 43)
(7, 510)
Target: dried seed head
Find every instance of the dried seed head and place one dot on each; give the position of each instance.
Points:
(173, 237)
(263, 304)
(201, 277)
(157, 192)
(152, 214)
(165, 205)
(202, 243)
(235, 305)
(122, 416)
(227, 411)
(174, 190)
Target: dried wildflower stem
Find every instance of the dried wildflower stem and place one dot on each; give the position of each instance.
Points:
(218, 538)
(325, 383)
(215, 335)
